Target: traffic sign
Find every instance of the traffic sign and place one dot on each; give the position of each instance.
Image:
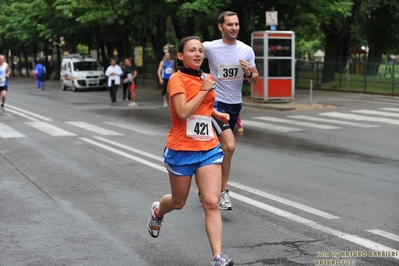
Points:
(271, 18)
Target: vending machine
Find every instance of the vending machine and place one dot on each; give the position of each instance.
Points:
(275, 61)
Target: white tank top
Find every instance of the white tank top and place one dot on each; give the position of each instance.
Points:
(3, 70)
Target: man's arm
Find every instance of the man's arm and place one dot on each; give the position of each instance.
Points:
(7, 70)
(252, 78)
(159, 70)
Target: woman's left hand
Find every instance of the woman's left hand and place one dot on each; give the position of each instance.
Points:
(225, 118)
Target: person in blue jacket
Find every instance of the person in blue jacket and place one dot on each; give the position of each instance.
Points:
(40, 72)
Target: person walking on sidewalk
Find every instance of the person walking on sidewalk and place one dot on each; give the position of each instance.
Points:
(40, 73)
(4, 75)
(165, 69)
(128, 76)
(230, 61)
(113, 73)
(192, 146)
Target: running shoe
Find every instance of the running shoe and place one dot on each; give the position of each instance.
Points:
(132, 104)
(222, 260)
(154, 224)
(165, 104)
(224, 201)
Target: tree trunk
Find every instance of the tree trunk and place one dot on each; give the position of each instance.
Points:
(20, 64)
(26, 63)
(374, 59)
(337, 41)
(159, 40)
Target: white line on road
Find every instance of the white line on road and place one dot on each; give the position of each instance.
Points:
(361, 118)
(8, 132)
(137, 129)
(158, 158)
(295, 218)
(95, 129)
(390, 109)
(351, 238)
(333, 121)
(379, 113)
(28, 113)
(284, 201)
(293, 122)
(22, 115)
(50, 129)
(385, 234)
(269, 126)
(124, 154)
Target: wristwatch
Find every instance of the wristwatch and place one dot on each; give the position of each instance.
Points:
(250, 74)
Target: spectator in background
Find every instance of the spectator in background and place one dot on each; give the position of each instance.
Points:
(113, 73)
(40, 74)
(129, 85)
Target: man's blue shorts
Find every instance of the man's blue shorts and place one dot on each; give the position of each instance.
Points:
(185, 163)
(232, 109)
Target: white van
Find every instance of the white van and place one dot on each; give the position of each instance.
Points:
(81, 72)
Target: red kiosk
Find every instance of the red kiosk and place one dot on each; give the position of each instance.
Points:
(275, 61)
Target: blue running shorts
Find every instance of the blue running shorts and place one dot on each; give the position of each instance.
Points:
(185, 163)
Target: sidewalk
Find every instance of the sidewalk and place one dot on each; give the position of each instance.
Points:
(301, 100)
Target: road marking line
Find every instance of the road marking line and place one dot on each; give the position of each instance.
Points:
(351, 238)
(284, 201)
(124, 154)
(293, 122)
(269, 126)
(390, 109)
(135, 129)
(380, 113)
(29, 113)
(95, 129)
(361, 118)
(385, 234)
(22, 115)
(50, 129)
(158, 158)
(8, 132)
(317, 119)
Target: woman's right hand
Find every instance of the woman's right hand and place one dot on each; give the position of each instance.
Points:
(207, 83)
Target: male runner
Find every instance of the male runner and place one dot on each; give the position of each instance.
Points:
(230, 60)
(4, 75)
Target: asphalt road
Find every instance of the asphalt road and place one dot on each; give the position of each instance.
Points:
(308, 186)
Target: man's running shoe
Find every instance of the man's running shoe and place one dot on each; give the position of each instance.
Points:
(224, 201)
(154, 224)
(222, 260)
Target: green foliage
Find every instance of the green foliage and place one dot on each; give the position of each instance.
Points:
(111, 24)
(246, 90)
